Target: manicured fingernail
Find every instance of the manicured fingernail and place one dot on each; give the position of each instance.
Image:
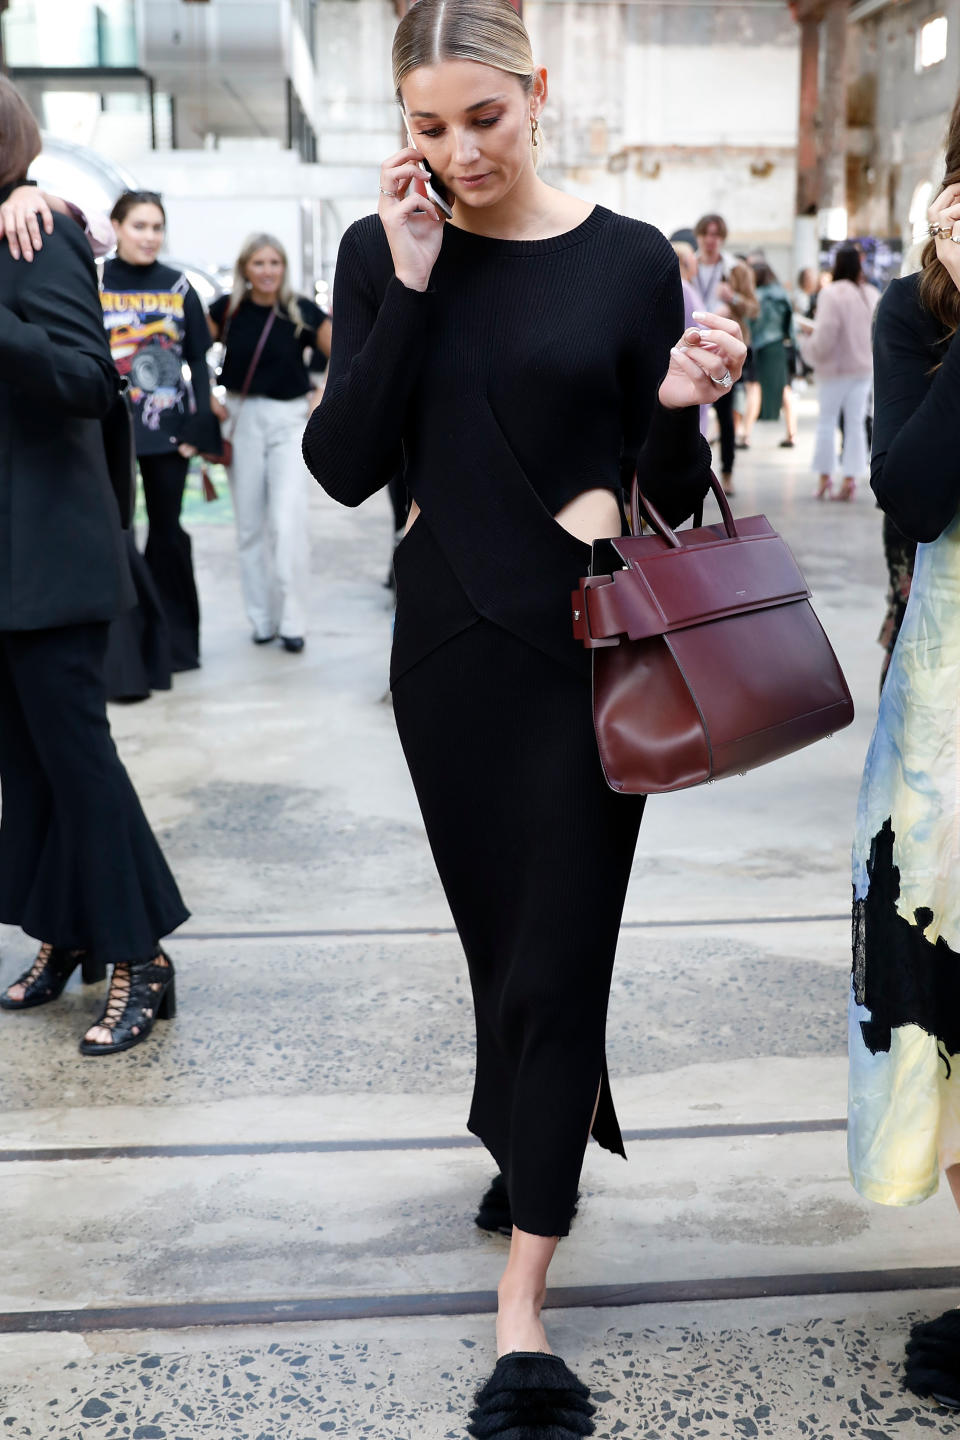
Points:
(699, 314)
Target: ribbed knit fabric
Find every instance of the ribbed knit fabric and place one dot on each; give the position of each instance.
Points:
(527, 373)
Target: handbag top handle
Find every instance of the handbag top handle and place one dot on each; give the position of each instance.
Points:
(660, 525)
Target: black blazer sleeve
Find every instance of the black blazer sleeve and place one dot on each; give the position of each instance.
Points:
(352, 440)
(915, 470)
(52, 342)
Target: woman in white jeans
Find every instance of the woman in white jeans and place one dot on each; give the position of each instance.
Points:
(840, 350)
(267, 331)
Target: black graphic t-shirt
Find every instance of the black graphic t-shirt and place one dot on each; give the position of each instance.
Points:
(281, 372)
(155, 324)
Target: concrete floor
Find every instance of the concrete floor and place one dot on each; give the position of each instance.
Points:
(259, 1224)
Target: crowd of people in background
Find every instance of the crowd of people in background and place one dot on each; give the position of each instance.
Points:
(787, 347)
(822, 333)
(274, 345)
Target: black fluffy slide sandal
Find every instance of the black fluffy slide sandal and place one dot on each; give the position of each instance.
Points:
(531, 1396)
(932, 1366)
(494, 1213)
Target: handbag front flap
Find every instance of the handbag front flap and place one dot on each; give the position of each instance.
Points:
(664, 589)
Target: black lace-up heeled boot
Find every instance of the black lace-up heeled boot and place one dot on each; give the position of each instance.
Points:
(141, 992)
(49, 973)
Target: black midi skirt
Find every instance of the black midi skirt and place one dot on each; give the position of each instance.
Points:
(534, 852)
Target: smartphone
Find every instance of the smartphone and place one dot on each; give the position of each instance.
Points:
(432, 189)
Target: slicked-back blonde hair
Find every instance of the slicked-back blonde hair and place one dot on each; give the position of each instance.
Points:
(489, 32)
(286, 300)
(20, 142)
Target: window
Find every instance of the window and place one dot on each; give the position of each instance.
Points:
(77, 34)
(931, 42)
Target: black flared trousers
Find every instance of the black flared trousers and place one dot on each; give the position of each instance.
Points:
(534, 852)
(79, 865)
(169, 554)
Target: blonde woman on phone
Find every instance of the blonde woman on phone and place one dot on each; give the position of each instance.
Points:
(268, 334)
(516, 363)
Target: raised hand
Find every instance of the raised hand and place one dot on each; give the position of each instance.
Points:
(703, 363)
(23, 215)
(944, 218)
(414, 227)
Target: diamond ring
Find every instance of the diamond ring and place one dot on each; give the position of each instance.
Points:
(724, 381)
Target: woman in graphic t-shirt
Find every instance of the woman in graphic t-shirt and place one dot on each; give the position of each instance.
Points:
(155, 324)
(264, 322)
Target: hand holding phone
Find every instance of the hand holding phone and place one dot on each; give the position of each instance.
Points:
(412, 221)
(428, 187)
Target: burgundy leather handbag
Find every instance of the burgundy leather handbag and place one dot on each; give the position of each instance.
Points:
(708, 659)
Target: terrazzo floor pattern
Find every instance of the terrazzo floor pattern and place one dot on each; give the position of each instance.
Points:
(775, 1369)
(277, 789)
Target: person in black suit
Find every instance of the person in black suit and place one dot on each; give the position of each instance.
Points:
(79, 866)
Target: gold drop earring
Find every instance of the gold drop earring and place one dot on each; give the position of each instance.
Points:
(534, 131)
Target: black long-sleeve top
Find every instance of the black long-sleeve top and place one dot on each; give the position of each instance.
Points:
(527, 373)
(915, 414)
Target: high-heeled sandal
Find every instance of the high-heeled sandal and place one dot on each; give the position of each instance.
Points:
(826, 486)
(532, 1396)
(932, 1364)
(141, 992)
(494, 1214)
(847, 491)
(49, 973)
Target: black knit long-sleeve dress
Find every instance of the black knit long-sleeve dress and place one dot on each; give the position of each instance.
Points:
(527, 373)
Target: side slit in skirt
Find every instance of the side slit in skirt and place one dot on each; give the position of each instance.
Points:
(534, 852)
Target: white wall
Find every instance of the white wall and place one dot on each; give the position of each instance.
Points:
(214, 199)
(665, 112)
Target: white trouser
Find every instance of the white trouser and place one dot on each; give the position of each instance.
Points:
(849, 394)
(269, 481)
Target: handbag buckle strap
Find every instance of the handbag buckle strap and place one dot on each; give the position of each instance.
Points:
(580, 603)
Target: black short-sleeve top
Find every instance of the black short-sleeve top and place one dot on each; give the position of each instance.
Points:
(281, 372)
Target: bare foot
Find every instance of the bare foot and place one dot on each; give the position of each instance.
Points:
(519, 1326)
